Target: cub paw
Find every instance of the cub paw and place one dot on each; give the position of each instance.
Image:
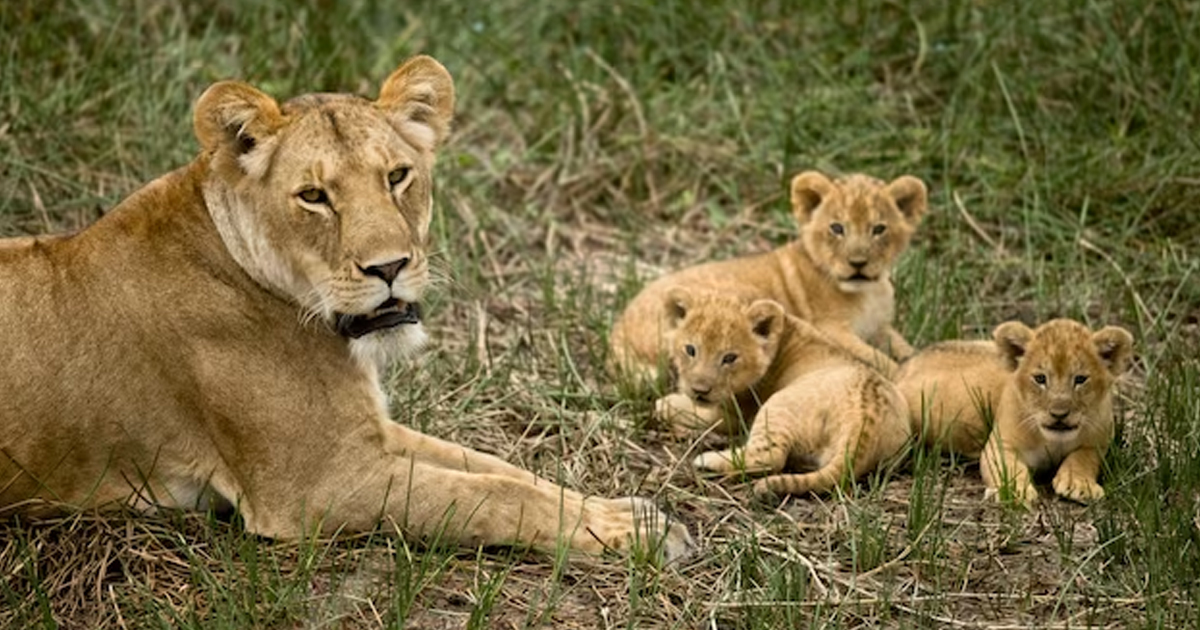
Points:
(715, 461)
(1018, 494)
(1077, 489)
(683, 416)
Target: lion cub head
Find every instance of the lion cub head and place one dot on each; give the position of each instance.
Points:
(327, 198)
(720, 346)
(855, 228)
(1064, 374)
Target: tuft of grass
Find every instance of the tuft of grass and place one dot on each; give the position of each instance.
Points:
(597, 146)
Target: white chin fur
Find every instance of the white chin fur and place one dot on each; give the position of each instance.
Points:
(856, 287)
(381, 348)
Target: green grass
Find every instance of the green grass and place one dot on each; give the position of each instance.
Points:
(598, 144)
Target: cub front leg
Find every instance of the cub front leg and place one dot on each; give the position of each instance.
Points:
(897, 345)
(1005, 475)
(1076, 477)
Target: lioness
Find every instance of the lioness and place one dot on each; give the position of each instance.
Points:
(823, 411)
(222, 331)
(837, 275)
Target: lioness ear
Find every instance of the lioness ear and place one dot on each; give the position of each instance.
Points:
(419, 96)
(1115, 347)
(808, 190)
(677, 303)
(766, 321)
(1012, 338)
(910, 196)
(235, 115)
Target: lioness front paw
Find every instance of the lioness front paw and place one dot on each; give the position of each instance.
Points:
(1077, 488)
(636, 524)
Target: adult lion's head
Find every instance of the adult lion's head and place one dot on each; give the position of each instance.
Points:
(327, 198)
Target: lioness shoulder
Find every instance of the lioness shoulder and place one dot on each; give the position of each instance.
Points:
(837, 275)
(723, 347)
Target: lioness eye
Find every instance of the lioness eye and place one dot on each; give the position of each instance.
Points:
(690, 350)
(397, 176)
(313, 195)
(1080, 379)
(1040, 379)
(837, 229)
(878, 229)
(728, 359)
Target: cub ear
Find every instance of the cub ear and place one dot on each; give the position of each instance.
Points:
(1115, 347)
(677, 303)
(1012, 338)
(419, 97)
(766, 320)
(910, 196)
(233, 114)
(809, 189)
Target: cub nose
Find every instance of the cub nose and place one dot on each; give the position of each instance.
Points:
(701, 389)
(1059, 416)
(858, 263)
(386, 271)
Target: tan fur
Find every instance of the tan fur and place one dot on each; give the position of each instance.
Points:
(186, 344)
(822, 406)
(951, 389)
(1064, 423)
(813, 278)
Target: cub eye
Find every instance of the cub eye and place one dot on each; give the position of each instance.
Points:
(878, 229)
(313, 195)
(1040, 379)
(690, 350)
(397, 176)
(729, 359)
(1080, 379)
(837, 229)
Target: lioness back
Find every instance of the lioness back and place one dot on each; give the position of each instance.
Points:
(950, 389)
(836, 275)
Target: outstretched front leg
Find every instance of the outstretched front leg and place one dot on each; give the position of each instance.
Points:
(362, 485)
(403, 441)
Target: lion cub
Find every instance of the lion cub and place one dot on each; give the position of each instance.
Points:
(823, 409)
(1056, 409)
(837, 275)
(1050, 391)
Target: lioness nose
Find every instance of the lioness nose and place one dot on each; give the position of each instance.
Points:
(387, 271)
